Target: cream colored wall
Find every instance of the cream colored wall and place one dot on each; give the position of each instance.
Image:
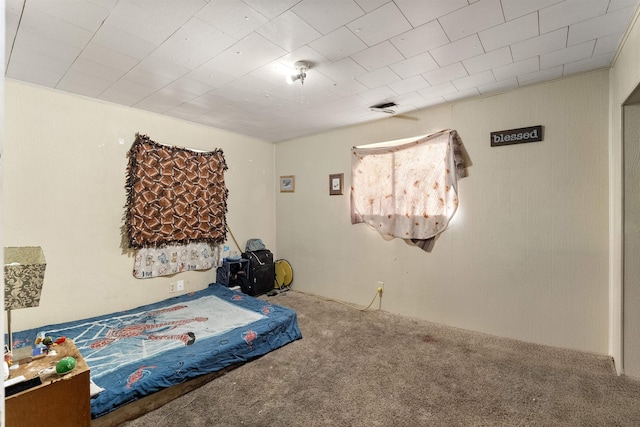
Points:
(624, 78)
(526, 255)
(64, 177)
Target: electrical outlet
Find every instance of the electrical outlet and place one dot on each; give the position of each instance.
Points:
(173, 287)
(180, 285)
(380, 287)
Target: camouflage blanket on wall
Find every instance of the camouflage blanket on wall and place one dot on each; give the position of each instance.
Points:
(174, 195)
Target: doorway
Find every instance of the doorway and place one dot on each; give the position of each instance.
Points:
(631, 235)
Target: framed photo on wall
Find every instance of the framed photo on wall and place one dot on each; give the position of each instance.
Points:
(336, 184)
(287, 184)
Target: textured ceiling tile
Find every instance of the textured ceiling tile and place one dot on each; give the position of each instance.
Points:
(77, 81)
(190, 86)
(41, 61)
(288, 31)
(431, 102)
(126, 92)
(150, 21)
(378, 56)
(83, 14)
(369, 5)
(171, 56)
(570, 12)
(275, 73)
(83, 85)
(48, 27)
(379, 94)
(463, 94)
(189, 109)
(245, 56)
(489, 60)
(517, 68)
(13, 7)
(36, 43)
(607, 44)
(442, 89)
(210, 75)
(499, 86)
(540, 76)
(169, 12)
(342, 70)
(194, 44)
(423, 11)
(232, 17)
(171, 95)
(34, 68)
(108, 57)
(596, 62)
(569, 54)
(445, 74)
(158, 103)
(414, 66)
(619, 4)
(379, 77)
(87, 67)
(408, 101)
(121, 41)
(348, 87)
(412, 84)
(471, 19)
(421, 39)
(328, 15)
(161, 67)
(338, 44)
(549, 42)
(600, 26)
(458, 51)
(510, 32)
(474, 80)
(516, 8)
(13, 10)
(271, 8)
(380, 25)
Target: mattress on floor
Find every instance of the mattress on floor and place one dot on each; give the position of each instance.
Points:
(134, 353)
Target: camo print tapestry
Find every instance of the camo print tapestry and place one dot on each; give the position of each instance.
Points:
(174, 195)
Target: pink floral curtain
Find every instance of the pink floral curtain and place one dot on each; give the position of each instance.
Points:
(408, 190)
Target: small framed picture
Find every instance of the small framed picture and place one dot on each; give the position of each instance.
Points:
(287, 184)
(336, 184)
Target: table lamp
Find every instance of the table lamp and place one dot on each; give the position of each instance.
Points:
(23, 278)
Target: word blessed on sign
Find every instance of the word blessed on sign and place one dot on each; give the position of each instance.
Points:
(516, 136)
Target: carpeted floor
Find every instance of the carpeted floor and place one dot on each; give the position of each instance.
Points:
(372, 368)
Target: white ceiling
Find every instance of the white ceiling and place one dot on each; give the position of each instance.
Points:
(223, 63)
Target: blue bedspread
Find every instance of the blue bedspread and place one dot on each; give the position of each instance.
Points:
(137, 352)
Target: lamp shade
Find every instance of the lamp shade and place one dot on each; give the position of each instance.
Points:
(23, 277)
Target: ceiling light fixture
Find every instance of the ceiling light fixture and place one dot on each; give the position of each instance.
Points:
(301, 72)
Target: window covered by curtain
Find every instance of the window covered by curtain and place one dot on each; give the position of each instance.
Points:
(408, 190)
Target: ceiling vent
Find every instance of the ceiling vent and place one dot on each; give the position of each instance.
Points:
(385, 107)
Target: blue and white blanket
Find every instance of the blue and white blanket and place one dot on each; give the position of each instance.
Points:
(137, 352)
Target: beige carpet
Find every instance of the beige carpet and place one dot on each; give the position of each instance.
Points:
(372, 368)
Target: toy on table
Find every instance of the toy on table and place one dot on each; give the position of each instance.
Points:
(65, 365)
(47, 342)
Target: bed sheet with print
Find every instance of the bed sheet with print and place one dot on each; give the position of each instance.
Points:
(134, 353)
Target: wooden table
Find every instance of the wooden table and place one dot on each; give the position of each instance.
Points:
(61, 400)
